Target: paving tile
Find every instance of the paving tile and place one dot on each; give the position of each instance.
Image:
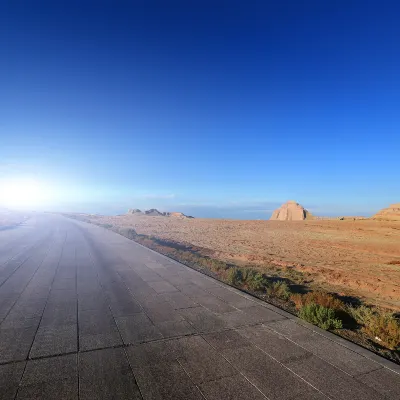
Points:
(231, 388)
(65, 284)
(384, 381)
(272, 343)
(268, 375)
(179, 300)
(214, 304)
(231, 297)
(97, 329)
(203, 320)
(15, 343)
(137, 328)
(331, 381)
(106, 374)
(163, 287)
(249, 316)
(50, 340)
(226, 340)
(50, 369)
(92, 301)
(153, 353)
(159, 310)
(10, 376)
(341, 357)
(60, 314)
(201, 362)
(66, 389)
(166, 381)
(6, 303)
(175, 328)
(127, 308)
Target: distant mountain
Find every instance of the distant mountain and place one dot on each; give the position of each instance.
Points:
(153, 212)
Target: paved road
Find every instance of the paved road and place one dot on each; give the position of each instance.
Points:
(88, 314)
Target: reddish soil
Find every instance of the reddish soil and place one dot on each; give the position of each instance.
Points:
(359, 258)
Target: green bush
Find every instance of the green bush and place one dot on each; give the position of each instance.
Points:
(256, 281)
(321, 316)
(234, 276)
(279, 289)
(380, 326)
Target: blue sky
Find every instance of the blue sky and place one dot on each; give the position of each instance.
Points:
(219, 109)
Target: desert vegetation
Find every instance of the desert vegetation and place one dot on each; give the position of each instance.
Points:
(374, 327)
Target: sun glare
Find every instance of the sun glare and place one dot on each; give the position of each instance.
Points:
(22, 194)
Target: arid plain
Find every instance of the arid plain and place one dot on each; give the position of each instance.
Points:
(357, 258)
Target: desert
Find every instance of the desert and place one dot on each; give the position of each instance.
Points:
(351, 257)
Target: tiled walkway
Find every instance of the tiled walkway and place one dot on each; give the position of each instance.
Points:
(88, 314)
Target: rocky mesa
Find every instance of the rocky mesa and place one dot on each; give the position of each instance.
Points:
(291, 211)
(391, 213)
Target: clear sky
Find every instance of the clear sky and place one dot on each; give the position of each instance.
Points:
(218, 108)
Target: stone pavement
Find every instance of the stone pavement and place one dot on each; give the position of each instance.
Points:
(88, 314)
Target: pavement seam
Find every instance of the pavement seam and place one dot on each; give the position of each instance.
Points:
(40, 320)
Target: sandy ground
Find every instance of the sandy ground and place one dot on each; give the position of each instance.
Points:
(359, 258)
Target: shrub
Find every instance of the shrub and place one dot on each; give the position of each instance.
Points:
(320, 298)
(234, 276)
(382, 327)
(256, 281)
(297, 299)
(279, 289)
(321, 316)
(362, 314)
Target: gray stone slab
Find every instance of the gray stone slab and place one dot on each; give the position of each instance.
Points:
(384, 381)
(201, 362)
(152, 353)
(178, 280)
(171, 329)
(341, 357)
(50, 378)
(124, 309)
(10, 376)
(166, 381)
(163, 287)
(330, 380)
(106, 374)
(250, 316)
(179, 300)
(269, 376)
(272, 343)
(55, 340)
(226, 340)
(15, 343)
(214, 304)
(65, 284)
(6, 303)
(149, 275)
(63, 314)
(97, 329)
(66, 389)
(137, 328)
(203, 320)
(231, 388)
(159, 310)
(50, 369)
(92, 301)
(231, 297)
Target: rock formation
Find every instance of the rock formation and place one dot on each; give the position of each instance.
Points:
(290, 211)
(153, 212)
(135, 211)
(391, 213)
